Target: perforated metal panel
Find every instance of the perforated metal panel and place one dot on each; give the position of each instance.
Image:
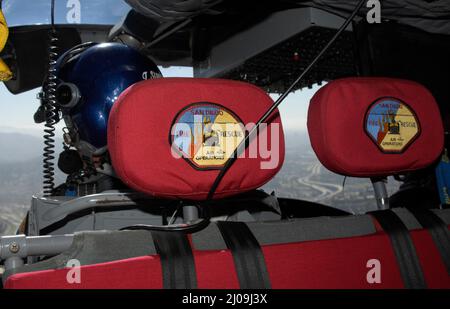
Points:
(277, 68)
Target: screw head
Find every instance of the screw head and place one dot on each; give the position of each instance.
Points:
(14, 247)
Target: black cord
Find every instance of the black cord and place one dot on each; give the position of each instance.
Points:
(253, 132)
(51, 112)
(190, 228)
(53, 15)
(206, 221)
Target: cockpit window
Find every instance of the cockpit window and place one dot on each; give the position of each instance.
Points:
(38, 12)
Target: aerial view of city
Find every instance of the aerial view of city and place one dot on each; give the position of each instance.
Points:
(302, 177)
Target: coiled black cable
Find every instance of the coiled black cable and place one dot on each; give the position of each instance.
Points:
(51, 112)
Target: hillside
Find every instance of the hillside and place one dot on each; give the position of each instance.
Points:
(20, 176)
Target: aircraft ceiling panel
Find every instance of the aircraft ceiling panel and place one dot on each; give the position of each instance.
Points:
(274, 52)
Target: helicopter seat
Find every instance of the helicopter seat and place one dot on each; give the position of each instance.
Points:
(378, 127)
(322, 252)
(375, 127)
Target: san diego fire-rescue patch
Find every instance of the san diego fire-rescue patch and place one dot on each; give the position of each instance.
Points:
(392, 125)
(206, 135)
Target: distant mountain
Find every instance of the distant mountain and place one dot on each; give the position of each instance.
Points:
(19, 181)
(297, 140)
(21, 167)
(16, 147)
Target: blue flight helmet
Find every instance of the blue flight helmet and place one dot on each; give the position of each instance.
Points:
(90, 79)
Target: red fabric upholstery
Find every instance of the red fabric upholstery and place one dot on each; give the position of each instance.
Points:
(326, 264)
(343, 122)
(136, 273)
(332, 264)
(433, 267)
(139, 137)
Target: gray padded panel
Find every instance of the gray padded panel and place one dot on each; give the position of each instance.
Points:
(276, 232)
(411, 221)
(105, 246)
(208, 239)
(290, 231)
(109, 246)
(97, 247)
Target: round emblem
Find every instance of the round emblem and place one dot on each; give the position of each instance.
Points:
(206, 135)
(392, 125)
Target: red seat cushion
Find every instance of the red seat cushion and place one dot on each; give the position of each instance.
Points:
(154, 123)
(325, 264)
(367, 127)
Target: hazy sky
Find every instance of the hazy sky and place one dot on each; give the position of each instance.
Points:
(16, 111)
(30, 12)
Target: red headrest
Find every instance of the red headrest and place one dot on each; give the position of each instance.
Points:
(368, 127)
(170, 137)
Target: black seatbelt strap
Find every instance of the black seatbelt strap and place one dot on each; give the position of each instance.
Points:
(177, 261)
(247, 255)
(438, 230)
(403, 247)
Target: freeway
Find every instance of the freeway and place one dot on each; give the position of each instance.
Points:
(326, 190)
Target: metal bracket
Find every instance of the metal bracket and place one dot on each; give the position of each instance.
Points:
(380, 191)
(95, 201)
(14, 249)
